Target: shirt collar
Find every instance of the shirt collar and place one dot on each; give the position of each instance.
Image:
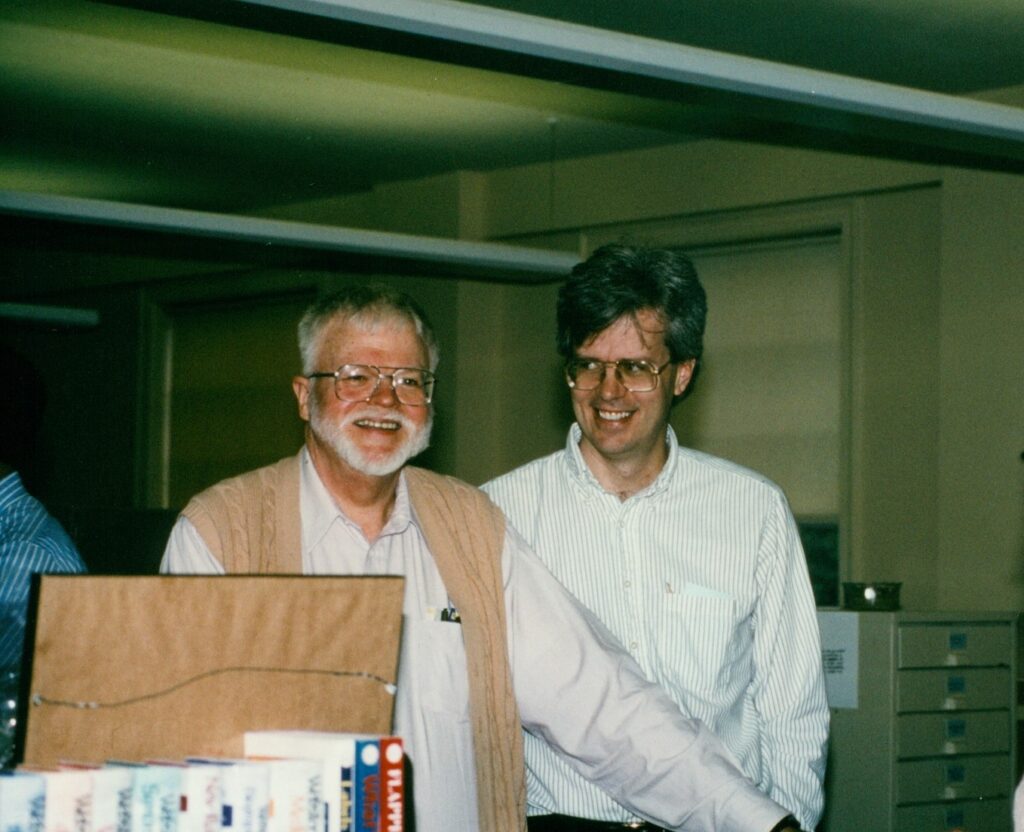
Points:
(584, 479)
(320, 512)
(10, 488)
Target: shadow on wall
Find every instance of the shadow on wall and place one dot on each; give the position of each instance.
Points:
(118, 541)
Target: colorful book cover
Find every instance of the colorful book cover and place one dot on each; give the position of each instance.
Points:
(296, 795)
(245, 795)
(156, 796)
(392, 780)
(337, 754)
(112, 790)
(367, 802)
(22, 802)
(201, 801)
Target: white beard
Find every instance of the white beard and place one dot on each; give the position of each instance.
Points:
(333, 434)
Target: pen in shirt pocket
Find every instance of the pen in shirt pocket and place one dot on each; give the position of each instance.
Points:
(447, 614)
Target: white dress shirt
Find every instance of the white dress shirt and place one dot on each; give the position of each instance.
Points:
(702, 577)
(576, 690)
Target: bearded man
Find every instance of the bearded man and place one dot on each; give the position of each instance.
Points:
(510, 646)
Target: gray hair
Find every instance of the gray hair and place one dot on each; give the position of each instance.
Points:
(371, 304)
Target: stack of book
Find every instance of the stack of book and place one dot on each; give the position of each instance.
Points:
(288, 781)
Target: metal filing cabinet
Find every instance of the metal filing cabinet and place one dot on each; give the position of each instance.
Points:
(929, 744)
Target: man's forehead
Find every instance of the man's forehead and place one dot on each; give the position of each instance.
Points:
(644, 328)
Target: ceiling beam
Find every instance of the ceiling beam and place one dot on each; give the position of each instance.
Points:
(790, 94)
(357, 248)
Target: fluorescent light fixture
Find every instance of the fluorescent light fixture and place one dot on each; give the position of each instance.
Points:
(60, 315)
(822, 97)
(466, 258)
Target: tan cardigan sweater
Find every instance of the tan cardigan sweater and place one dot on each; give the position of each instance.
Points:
(251, 523)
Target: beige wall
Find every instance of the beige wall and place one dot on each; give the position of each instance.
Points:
(981, 471)
(936, 337)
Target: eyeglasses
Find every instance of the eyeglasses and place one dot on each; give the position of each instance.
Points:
(635, 374)
(360, 382)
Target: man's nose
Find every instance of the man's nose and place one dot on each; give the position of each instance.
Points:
(384, 392)
(611, 384)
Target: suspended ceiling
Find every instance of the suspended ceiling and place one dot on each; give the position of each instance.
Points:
(235, 108)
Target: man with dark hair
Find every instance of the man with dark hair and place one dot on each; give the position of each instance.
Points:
(693, 562)
(491, 641)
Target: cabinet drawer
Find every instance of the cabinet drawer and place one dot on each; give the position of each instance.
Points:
(929, 735)
(953, 690)
(951, 645)
(977, 816)
(959, 778)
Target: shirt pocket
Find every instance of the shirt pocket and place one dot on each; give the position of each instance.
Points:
(434, 667)
(699, 638)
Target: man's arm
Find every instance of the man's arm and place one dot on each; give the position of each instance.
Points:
(788, 684)
(20, 559)
(583, 694)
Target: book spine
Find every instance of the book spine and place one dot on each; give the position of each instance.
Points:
(392, 777)
(367, 803)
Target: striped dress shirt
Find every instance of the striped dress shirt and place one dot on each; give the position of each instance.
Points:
(30, 541)
(702, 578)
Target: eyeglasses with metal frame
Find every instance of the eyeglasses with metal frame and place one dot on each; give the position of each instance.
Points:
(360, 383)
(635, 374)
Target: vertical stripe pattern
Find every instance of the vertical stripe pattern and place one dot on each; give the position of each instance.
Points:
(702, 578)
(31, 541)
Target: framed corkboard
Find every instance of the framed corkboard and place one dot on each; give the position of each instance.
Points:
(148, 667)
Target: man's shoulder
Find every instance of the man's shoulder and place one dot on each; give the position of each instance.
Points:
(444, 496)
(263, 474)
(229, 491)
(527, 474)
(692, 461)
(37, 539)
(422, 479)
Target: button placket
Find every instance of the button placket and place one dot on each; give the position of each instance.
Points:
(630, 585)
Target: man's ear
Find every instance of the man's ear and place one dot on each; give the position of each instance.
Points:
(300, 386)
(683, 374)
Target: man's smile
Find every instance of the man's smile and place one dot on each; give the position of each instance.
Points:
(613, 415)
(377, 424)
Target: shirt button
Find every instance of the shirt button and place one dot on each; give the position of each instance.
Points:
(633, 645)
(627, 584)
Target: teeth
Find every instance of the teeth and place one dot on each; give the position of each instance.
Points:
(613, 415)
(367, 423)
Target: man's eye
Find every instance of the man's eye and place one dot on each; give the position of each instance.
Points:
(409, 381)
(633, 368)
